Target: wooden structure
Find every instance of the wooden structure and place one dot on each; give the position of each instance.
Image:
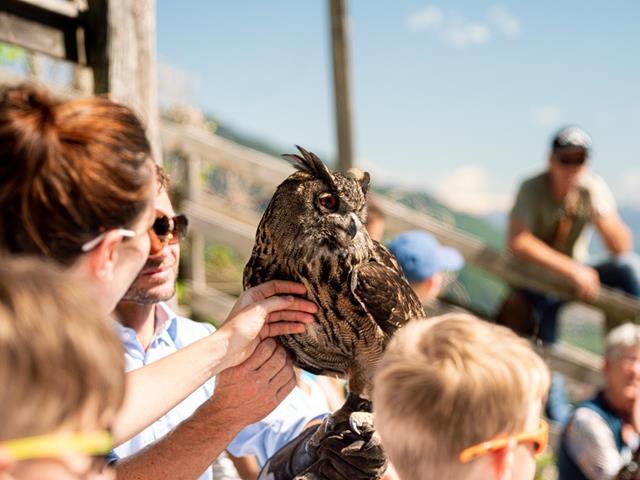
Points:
(340, 56)
(110, 42)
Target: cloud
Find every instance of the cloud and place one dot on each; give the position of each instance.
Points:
(546, 115)
(471, 189)
(426, 18)
(504, 21)
(459, 32)
(467, 34)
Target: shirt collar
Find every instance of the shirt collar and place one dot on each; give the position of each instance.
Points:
(166, 328)
(166, 322)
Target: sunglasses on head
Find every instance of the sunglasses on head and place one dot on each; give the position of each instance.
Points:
(170, 229)
(538, 439)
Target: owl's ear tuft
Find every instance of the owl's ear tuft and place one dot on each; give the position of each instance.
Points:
(363, 178)
(310, 163)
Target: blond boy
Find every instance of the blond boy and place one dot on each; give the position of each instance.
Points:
(61, 376)
(459, 398)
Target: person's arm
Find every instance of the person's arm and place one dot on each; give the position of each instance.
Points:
(591, 445)
(260, 312)
(614, 233)
(243, 395)
(524, 244)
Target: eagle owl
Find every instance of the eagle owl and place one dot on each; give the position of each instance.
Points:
(313, 232)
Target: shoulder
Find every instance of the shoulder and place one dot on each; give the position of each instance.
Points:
(535, 183)
(586, 424)
(593, 182)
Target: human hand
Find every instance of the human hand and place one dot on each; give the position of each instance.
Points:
(253, 389)
(586, 282)
(263, 311)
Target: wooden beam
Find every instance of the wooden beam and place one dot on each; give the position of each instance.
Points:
(340, 55)
(64, 8)
(220, 227)
(32, 35)
(32, 25)
(516, 272)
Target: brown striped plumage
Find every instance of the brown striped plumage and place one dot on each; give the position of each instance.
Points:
(361, 293)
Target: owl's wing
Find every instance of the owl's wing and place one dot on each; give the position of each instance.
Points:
(384, 292)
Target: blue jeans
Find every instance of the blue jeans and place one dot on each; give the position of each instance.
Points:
(621, 273)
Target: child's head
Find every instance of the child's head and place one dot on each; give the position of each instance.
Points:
(61, 366)
(452, 382)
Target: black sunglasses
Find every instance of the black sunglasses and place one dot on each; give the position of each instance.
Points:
(171, 229)
(571, 160)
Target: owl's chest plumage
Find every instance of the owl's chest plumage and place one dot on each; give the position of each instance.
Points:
(344, 335)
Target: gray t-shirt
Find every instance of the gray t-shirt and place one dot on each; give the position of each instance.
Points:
(541, 214)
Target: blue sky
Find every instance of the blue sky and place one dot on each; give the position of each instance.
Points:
(457, 97)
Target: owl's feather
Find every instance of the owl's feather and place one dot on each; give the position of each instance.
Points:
(358, 286)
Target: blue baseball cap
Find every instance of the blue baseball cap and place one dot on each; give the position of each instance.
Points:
(421, 256)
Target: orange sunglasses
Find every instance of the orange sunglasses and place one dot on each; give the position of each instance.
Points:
(539, 438)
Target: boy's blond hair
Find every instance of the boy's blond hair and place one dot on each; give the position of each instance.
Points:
(450, 382)
(61, 364)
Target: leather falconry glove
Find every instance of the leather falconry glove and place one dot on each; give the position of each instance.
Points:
(344, 446)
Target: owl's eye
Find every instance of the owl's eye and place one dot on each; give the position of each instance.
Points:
(328, 201)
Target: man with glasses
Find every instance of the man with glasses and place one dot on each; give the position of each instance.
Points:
(548, 225)
(185, 442)
(602, 434)
(459, 398)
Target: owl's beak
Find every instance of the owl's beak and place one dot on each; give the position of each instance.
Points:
(353, 226)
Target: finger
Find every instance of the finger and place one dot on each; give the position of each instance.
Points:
(269, 369)
(284, 376)
(286, 389)
(291, 316)
(287, 302)
(281, 328)
(275, 287)
(263, 352)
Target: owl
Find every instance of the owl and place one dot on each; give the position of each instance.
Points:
(313, 232)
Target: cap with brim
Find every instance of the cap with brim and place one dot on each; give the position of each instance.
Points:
(421, 256)
(571, 137)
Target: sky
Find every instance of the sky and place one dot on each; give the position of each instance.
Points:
(459, 98)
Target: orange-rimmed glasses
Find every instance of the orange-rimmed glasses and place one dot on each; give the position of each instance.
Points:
(538, 438)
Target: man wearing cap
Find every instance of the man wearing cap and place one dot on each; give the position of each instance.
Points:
(548, 224)
(424, 262)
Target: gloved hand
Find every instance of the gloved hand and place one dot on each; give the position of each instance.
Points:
(344, 447)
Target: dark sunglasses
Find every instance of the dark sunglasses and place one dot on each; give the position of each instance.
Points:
(571, 160)
(170, 229)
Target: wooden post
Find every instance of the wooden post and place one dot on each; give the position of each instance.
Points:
(123, 55)
(340, 51)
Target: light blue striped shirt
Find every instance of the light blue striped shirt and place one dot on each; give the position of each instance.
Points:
(262, 439)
